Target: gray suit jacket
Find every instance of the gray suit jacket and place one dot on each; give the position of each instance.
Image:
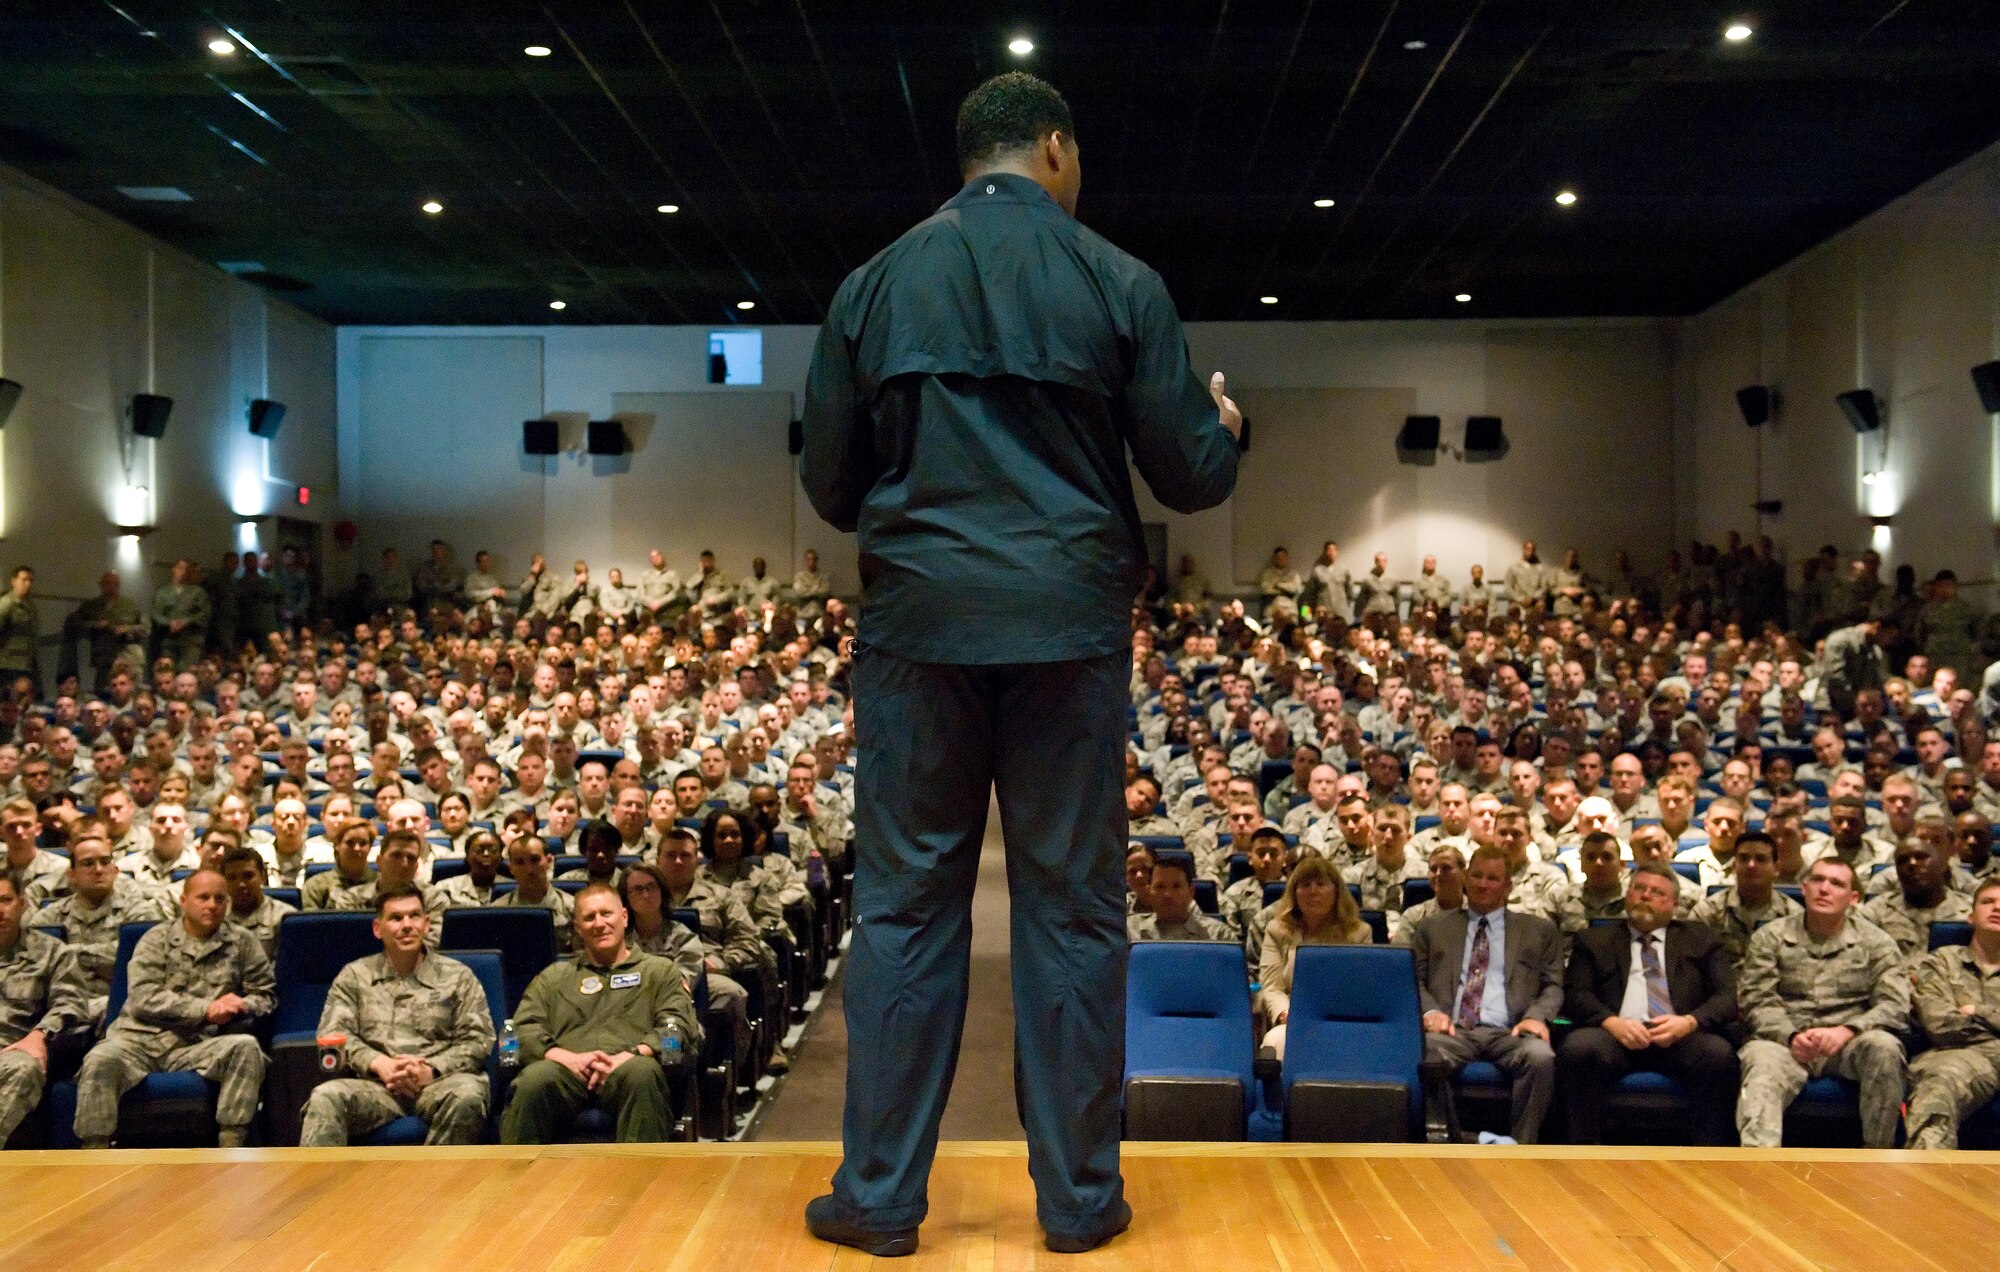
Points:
(1534, 963)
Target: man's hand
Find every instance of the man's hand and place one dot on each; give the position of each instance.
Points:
(1532, 1028)
(617, 1061)
(1630, 1034)
(1436, 1021)
(578, 1063)
(225, 1009)
(386, 1069)
(1665, 1031)
(1833, 1038)
(35, 1043)
(1232, 419)
(1804, 1050)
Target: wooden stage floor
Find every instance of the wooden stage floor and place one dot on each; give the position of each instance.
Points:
(1201, 1208)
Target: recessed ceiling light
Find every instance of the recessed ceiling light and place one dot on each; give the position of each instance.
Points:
(1737, 32)
(1267, 300)
(536, 50)
(1322, 203)
(1463, 297)
(1414, 46)
(1566, 198)
(433, 207)
(668, 209)
(746, 304)
(221, 47)
(1020, 46)
(558, 304)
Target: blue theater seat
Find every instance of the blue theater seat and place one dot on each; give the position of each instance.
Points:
(1188, 1044)
(312, 948)
(525, 937)
(1353, 1043)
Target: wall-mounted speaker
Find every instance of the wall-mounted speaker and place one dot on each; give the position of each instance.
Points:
(1862, 409)
(718, 368)
(1758, 402)
(266, 416)
(149, 414)
(795, 437)
(10, 397)
(1985, 378)
(538, 437)
(606, 437)
(1768, 507)
(1417, 440)
(1484, 440)
(1243, 437)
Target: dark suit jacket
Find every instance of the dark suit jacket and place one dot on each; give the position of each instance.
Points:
(1701, 977)
(1534, 963)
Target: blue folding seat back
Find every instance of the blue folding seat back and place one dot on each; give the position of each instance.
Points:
(312, 948)
(1188, 1070)
(1162, 843)
(1948, 933)
(1353, 1043)
(1206, 898)
(1416, 892)
(290, 896)
(1270, 773)
(447, 868)
(1273, 890)
(525, 937)
(1423, 823)
(1688, 870)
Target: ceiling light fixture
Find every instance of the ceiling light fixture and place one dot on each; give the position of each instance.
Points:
(558, 304)
(1737, 32)
(221, 47)
(746, 304)
(1463, 298)
(1020, 46)
(1267, 300)
(536, 50)
(1415, 46)
(1322, 203)
(433, 207)
(668, 209)
(1566, 198)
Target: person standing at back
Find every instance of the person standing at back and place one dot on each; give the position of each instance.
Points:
(971, 402)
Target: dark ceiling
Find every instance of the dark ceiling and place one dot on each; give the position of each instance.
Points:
(800, 136)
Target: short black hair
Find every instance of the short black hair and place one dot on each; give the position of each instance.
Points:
(1008, 113)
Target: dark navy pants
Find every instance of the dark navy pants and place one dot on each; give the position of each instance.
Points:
(934, 740)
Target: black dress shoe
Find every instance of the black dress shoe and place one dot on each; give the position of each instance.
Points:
(1116, 1221)
(823, 1223)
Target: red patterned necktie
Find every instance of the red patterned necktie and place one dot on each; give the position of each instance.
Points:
(1473, 996)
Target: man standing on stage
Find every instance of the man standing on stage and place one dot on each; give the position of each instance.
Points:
(971, 400)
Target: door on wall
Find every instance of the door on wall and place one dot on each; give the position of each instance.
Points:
(304, 537)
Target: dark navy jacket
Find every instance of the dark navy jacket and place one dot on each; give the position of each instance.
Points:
(970, 404)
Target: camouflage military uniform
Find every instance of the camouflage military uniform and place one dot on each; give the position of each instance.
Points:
(1909, 927)
(1792, 982)
(459, 892)
(1401, 925)
(1539, 890)
(262, 923)
(173, 978)
(92, 931)
(1580, 909)
(45, 875)
(1733, 923)
(40, 988)
(1382, 888)
(330, 890)
(1199, 927)
(762, 889)
(1238, 906)
(1961, 1072)
(438, 1012)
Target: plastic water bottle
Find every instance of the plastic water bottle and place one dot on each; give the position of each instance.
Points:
(673, 1046)
(510, 1047)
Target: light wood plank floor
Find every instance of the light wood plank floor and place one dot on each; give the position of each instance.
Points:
(1200, 1207)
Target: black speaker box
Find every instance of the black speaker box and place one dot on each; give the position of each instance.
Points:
(1417, 440)
(10, 396)
(266, 416)
(1484, 440)
(1862, 409)
(795, 437)
(538, 437)
(718, 368)
(1758, 403)
(149, 414)
(1243, 437)
(606, 437)
(1985, 378)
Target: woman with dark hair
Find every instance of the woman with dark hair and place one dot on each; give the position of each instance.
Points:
(726, 843)
(1317, 909)
(644, 892)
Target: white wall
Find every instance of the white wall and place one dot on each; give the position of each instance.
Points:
(91, 312)
(1904, 303)
(1583, 402)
